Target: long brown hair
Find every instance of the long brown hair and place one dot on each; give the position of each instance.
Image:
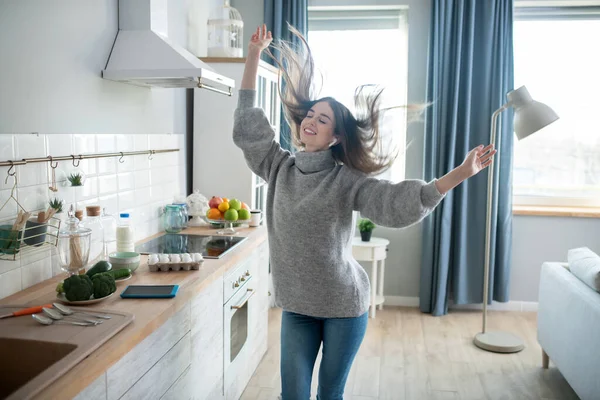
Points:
(359, 146)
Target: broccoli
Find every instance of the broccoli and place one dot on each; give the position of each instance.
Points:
(78, 287)
(59, 288)
(104, 284)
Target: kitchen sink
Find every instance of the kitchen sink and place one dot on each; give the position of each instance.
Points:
(23, 360)
(33, 356)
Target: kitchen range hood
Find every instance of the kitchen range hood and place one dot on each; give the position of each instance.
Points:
(143, 55)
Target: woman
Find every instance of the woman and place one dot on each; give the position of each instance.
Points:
(312, 194)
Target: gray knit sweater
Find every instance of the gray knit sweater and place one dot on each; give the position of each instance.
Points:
(310, 221)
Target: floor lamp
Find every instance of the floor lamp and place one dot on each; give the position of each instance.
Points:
(529, 117)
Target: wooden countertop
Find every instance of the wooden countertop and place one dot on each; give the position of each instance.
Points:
(149, 313)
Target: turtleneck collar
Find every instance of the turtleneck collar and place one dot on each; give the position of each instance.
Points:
(309, 162)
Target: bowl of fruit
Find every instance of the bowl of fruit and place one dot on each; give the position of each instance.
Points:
(225, 213)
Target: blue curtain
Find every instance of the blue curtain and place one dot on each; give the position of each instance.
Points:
(278, 13)
(470, 70)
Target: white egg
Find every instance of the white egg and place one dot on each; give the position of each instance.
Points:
(164, 258)
(197, 257)
(175, 258)
(186, 258)
(152, 259)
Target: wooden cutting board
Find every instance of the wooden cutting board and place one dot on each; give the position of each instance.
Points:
(42, 345)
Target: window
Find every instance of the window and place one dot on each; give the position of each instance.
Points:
(354, 47)
(557, 58)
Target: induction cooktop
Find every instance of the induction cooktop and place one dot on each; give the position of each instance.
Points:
(211, 247)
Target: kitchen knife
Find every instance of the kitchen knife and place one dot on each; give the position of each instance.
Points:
(26, 311)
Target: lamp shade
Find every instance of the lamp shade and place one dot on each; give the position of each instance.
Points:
(530, 115)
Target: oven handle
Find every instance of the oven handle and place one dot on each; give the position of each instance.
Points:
(244, 300)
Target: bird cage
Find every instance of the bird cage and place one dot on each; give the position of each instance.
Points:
(225, 32)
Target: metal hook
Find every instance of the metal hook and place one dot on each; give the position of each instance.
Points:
(52, 166)
(151, 153)
(121, 159)
(76, 165)
(8, 172)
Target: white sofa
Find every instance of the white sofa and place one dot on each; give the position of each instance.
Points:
(569, 328)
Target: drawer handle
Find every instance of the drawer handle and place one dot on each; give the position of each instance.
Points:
(244, 300)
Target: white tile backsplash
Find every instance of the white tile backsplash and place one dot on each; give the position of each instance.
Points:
(7, 152)
(10, 208)
(140, 142)
(35, 273)
(89, 189)
(126, 181)
(143, 196)
(106, 143)
(6, 266)
(84, 144)
(111, 204)
(127, 200)
(33, 198)
(30, 146)
(139, 186)
(31, 174)
(60, 145)
(10, 282)
(142, 162)
(125, 143)
(127, 165)
(108, 184)
(142, 178)
(107, 166)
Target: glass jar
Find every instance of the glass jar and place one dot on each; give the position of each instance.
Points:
(181, 202)
(74, 245)
(173, 219)
(109, 225)
(93, 221)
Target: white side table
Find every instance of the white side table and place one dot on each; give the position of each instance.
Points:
(375, 251)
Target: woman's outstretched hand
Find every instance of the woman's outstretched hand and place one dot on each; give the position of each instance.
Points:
(478, 159)
(260, 40)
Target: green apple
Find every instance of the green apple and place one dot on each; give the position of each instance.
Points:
(244, 214)
(235, 204)
(231, 215)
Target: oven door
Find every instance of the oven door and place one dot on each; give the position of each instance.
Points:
(237, 314)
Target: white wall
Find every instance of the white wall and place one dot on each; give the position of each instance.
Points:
(535, 239)
(253, 15)
(51, 57)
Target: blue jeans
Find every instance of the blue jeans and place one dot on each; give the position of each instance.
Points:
(301, 338)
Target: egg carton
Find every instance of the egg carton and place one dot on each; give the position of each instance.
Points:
(173, 262)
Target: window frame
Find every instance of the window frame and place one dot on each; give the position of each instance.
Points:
(367, 18)
(559, 11)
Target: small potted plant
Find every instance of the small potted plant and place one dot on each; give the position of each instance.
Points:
(57, 204)
(365, 226)
(76, 179)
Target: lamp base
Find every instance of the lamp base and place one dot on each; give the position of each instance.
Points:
(499, 342)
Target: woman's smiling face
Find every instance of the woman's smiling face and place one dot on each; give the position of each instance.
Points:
(318, 127)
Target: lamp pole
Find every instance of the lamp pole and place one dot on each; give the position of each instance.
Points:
(530, 116)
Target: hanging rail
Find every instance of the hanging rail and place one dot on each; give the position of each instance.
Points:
(73, 157)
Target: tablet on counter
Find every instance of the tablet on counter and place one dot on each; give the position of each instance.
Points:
(150, 291)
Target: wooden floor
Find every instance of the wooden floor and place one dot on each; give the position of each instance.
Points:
(408, 355)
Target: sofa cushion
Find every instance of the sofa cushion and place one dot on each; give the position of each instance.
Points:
(585, 265)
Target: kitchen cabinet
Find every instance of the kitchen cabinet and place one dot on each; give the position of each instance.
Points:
(206, 372)
(184, 358)
(239, 372)
(219, 166)
(129, 373)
